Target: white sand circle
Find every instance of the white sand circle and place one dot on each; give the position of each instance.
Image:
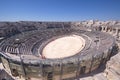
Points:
(64, 47)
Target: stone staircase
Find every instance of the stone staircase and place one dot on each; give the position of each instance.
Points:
(113, 68)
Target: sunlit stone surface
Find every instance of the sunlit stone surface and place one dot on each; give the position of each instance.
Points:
(64, 47)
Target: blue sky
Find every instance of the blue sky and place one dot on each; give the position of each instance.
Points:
(59, 10)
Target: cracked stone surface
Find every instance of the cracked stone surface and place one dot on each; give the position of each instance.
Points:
(111, 72)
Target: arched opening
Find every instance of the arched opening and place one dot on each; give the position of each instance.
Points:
(15, 72)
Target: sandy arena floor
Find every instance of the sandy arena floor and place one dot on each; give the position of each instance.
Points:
(64, 47)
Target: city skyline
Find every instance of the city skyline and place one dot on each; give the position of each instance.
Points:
(59, 10)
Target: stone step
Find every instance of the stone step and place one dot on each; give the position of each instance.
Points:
(112, 75)
(99, 76)
(87, 78)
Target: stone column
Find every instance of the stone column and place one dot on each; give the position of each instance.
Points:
(105, 28)
(102, 28)
(116, 33)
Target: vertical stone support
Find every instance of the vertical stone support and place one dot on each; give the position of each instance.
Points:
(78, 68)
(41, 68)
(105, 28)
(102, 28)
(22, 66)
(91, 64)
(61, 69)
(53, 67)
(116, 33)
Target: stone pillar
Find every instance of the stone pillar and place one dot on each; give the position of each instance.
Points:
(102, 28)
(116, 33)
(111, 30)
(105, 28)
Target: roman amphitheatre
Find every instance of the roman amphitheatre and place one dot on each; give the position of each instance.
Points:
(59, 50)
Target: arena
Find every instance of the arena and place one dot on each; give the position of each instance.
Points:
(55, 54)
(64, 47)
